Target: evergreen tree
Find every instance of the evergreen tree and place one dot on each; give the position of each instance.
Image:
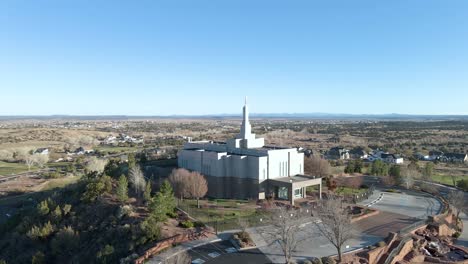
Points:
(122, 189)
(147, 193)
(163, 203)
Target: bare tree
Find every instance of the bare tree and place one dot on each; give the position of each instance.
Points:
(93, 164)
(285, 230)
(29, 160)
(196, 186)
(335, 222)
(457, 200)
(178, 180)
(40, 159)
(137, 179)
(410, 173)
(316, 166)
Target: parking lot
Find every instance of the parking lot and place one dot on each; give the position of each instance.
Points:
(224, 252)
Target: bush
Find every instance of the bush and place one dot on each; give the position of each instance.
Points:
(381, 244)
(456, 235)
(172, 214)
(186, 224)
(198, 224)
(328, 260)
(316, 261)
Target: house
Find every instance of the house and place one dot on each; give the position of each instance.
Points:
(421, 156)
(435, 155)
(42, 151)
(454, 157)
(391, 158)
(358, 153)
(338, 153)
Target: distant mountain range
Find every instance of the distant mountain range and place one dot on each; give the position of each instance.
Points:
(253, 115)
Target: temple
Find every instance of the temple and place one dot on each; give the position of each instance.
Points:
(244, 168)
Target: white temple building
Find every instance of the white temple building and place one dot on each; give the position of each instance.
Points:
(244, 168)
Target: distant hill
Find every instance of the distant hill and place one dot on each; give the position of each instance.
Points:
(253, 115)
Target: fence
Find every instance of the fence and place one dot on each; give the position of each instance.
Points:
(356, 198)
(232, 221)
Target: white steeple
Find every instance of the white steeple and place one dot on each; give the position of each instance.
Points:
(246, 128)
(245, 139)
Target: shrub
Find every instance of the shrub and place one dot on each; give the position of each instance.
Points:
(172, 214)
(328, 260)
(316, 261)
(198, 224)
(381, 244)
(456, 235)
(186, 224)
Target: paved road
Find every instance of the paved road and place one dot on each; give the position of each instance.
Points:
(398, 211)
(444, 191)
(224, 252)
(408, 203)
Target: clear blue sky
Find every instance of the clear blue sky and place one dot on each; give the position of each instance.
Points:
(203, 57)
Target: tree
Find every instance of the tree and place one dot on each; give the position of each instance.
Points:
(428, 171)
(40, 159)
(196, 186)
(64, 243)
(395, 173)
(147, 193)
(335, 222)
(316, 166)
(409, 175)
(97, 187)
(131, 161)
(43, 208)
(285, 230)
(93, 164)
(137, 179)
(122, 189)
(38, 258)
(456, 199)
(162, 203)
(178, 180)
(29, 161)
(379, 168)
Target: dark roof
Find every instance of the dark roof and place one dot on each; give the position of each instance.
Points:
(455, 155)
(394, 156)
(435, 153)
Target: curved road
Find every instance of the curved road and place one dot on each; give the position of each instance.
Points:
(398, 210)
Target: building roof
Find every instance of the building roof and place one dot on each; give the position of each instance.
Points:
(295, 179)
(455, 155)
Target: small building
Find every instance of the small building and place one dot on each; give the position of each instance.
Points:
(338, 153)
(435, 155)
(358, 153)
(42, 151)
(454, 157)
(391, 158)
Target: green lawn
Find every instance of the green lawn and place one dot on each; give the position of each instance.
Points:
(8, 168)
(444, 179)
(110, 149)
(218, 209)
(60, 182)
